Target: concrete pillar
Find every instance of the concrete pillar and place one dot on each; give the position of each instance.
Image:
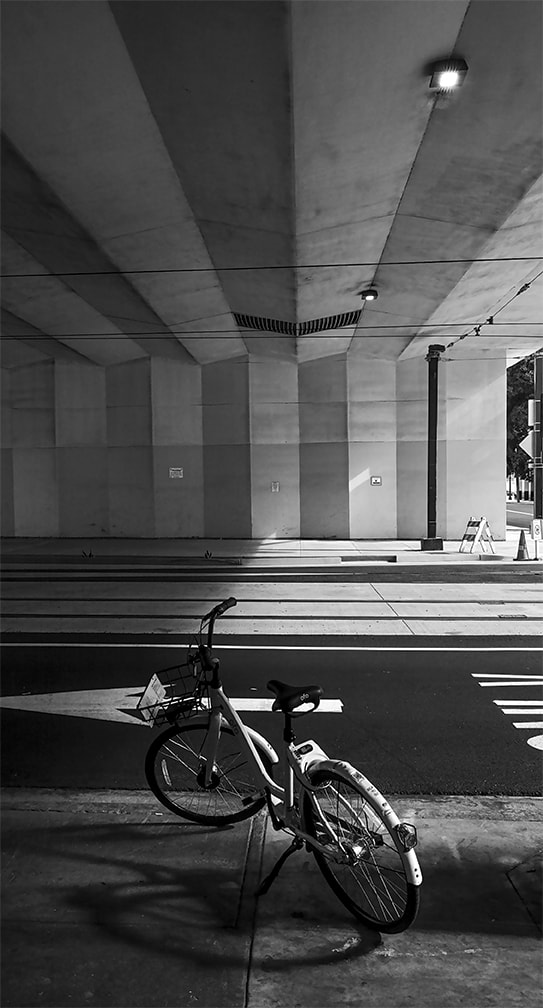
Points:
(176, 393)
(324, 454)
(475, 443)
(372, 448)
(471, 446)
(227, 457)
(130, 459)
(7, 527)
(411, 448)
(35, 491)
(81, 449)
(275, 456)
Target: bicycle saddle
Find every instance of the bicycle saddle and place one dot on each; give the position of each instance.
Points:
(289, 697)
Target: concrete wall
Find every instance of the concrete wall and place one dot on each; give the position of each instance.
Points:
(334, 447)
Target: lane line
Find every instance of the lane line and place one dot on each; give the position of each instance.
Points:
(529, 682)
(274, 647)
(519, 711)
(501, 675)
(517, 703)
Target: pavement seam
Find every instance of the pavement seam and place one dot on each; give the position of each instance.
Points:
(248, 904)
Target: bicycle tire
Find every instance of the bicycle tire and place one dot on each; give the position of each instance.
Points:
(171, 769)
(373, 884)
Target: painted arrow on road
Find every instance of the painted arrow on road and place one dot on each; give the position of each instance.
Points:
(119, 704)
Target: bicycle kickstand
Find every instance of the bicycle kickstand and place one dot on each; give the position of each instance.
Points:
(296, 845)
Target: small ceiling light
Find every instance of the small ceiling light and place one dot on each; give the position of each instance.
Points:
(369, 295)
(446, 75)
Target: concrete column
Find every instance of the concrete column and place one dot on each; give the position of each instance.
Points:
(130, 461)
(227, 458)
(324, 454)
(7, 527)
(81, 450)
(475, 444)
(275, 457)
(35, 490)
(372, 448)
(471, 448)
(176, 392)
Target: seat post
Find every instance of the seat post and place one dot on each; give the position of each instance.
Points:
(288, 733)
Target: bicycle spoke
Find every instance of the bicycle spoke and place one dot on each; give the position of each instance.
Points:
(360, 858)
(175, 773)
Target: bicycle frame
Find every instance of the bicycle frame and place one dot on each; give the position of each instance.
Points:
(301, 760)
(280, 798)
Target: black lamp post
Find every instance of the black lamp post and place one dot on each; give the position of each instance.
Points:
(432, 542)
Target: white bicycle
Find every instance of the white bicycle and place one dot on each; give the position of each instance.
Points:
(210, 767)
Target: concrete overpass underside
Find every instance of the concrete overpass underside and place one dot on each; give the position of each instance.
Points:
(194, 196)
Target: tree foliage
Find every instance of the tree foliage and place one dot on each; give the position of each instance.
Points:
(520, 388)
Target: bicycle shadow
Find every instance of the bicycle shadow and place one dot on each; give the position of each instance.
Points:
(177, 889)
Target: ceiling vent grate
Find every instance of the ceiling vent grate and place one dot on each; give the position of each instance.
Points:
(345, 320)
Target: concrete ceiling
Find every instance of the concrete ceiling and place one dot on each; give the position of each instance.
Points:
(170, 168)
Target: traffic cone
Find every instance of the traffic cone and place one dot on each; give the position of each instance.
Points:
(522, 552)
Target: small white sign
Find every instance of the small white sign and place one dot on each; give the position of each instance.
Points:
(176, 473)
(275, 488)
(527, 444)
(376, 481)
(537, 528)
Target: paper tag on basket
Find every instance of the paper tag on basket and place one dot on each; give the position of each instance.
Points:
(152, 698)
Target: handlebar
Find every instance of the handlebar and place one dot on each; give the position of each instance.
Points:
(210, 664)
(217, 611)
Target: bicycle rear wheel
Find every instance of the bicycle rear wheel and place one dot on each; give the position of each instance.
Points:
(173, 771)
(365, 867)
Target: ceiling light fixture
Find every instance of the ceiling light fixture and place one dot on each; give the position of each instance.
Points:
(369, 295)
(447, 74)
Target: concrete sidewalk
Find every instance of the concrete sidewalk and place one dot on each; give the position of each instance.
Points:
(110, 901)
(263, 552)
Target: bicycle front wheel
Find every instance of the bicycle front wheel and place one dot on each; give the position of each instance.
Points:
(363, 863)
(173, 768)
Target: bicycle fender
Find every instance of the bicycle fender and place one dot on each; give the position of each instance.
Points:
(257, 739)
(350, 773)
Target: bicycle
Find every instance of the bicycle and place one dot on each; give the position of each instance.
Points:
(211, 768)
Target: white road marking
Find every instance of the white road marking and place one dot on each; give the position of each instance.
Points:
(115, 704)
(516, 708)
(269, 647)
(504, 680)
(522, 710)
(517, 703)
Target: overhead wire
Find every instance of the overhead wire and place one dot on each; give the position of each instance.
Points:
(288, 266)
(476, 330)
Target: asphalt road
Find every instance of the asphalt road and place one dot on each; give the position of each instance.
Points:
(415, 721)
(519, 514)
(416, 717)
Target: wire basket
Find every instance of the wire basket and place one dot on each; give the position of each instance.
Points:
(172, 694)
